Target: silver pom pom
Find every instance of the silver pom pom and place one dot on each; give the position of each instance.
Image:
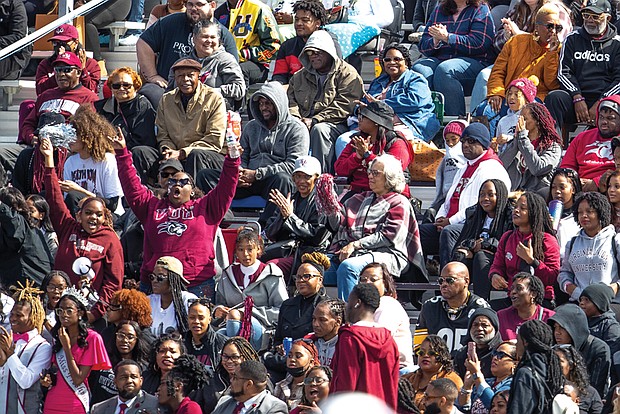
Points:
(61, 135)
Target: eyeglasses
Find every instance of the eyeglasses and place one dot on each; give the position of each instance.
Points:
(122, 84)
(125, 337)
(237, 377)
(55, 288)
(233, 358)
(552, 26)
(422, 353)
(393, 59)
(593, 17)
(501, 355)
(159, 278)
(315, 381)
(114, 307)
(68, 311)
(178, 181)
(448, 280)
(305, 277)
(431, 397)
(370, 279)
(374, 173)
(64, 69)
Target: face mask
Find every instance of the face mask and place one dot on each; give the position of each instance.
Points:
(297, 371)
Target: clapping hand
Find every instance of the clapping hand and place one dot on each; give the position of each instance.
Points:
(438, 32)
(285, 204)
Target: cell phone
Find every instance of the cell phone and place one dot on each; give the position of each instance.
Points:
(471, 350)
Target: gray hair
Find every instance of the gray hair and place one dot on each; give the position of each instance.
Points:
(393, 170)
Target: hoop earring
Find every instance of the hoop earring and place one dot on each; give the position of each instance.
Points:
(536, 36)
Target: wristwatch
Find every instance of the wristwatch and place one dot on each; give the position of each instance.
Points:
(259, 175)
(367, 154)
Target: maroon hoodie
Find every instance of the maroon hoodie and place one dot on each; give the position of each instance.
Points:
(366, 360)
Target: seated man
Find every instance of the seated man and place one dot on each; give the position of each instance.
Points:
(440, 396)
(590, 153)
(271, 143)
(191, 121)
(448, 315)
(256, 34)
(323, 95)
(589, 68)
(170, 39)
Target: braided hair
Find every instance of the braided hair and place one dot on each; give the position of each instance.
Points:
(315, 7)
(82, 324)
(176, 288)
(336, 307)
(190, 372)
(540, 222)
(578, 373)
(406, 395)
(545, 124)
(29, 294)
(538, 339)
(245, 349)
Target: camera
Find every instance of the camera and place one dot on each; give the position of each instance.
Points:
(487, 245)
(468, 244)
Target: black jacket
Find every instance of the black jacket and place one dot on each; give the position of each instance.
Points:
(14, 27)
(136, 119)
(295, 317)
(213, 343)
(483, 352)
(590, 67)
(607, 328)
(527, 391)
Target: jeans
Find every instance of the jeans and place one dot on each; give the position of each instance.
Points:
(346, 274)
(136, 14)
(234, 327)
(204, 290)
(479, 92)
(454, 78)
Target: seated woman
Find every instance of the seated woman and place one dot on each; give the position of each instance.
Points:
(165, 350)
(536, 149)
(523, 55)
(485, 224)
(575, 371)
(127, 305)
(234, 352)
(435, 362)
(316, 388)
(220, 69)
(170, 298)
(89, 250)
(565, 186)
(297, 219)
(375, 137)
(613, 195)
(91, 171)
(478, 391)
(377, 225)
(531, 245)
(249, 285)
(526, 294)
(300, 359)
(593, 255)
(134, 115)
(327, 319)
(390, 313)
(457, 44)
(182, 213)
(187, 375)
(202, 340)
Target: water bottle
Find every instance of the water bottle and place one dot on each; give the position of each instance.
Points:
(233, 133)
(287, 344)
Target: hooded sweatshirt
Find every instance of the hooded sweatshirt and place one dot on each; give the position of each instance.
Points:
(448, 168)
(274, 150)
(590, 260)
(595, 351)
(324, 97)
(607, 328)
(366, 360)
(589, 66)
(589, 153)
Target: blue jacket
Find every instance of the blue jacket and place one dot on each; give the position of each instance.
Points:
(410, 98)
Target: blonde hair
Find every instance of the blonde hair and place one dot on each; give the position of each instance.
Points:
(316, 257)
(29, 293)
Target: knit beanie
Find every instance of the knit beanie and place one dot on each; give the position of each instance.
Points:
(527, 86)
(599, 294)
(479, 132)
(455, 127)
(489, 313)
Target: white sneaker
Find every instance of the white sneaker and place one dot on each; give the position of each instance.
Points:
(130, 40)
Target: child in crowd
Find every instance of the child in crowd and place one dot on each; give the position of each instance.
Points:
(452, 161)
(519, 93)
(250, 291)
(40, 216)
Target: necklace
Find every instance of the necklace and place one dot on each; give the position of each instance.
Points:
(197, 347)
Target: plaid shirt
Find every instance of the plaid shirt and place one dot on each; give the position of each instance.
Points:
(471, 35)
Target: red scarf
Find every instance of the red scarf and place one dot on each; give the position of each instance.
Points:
(469, 171)
(239, 276)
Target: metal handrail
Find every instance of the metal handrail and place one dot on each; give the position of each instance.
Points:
(33, 37)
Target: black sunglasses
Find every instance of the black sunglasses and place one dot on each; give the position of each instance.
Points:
(448, 280)
(552, 26)
(121, 84)
(164, 174)
(64, 69)
(501, 355)
(395, 59)
(159, 278)
(178, 181)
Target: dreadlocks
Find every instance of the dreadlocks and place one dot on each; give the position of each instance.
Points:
(540, 222)
(180, 313)
(245, 349)
(336, 307)
(29, 294)
(406, 395)
(315, 8)
(545, 124)
(190, 372)
(538, 339)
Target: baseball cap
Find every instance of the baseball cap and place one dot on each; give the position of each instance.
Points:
(171, 163)
(68, 58)
(308, 165)
(65, 32)
(172, 264)
(598, 6)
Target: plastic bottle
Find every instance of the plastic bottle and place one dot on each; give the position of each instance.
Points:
(233, 133)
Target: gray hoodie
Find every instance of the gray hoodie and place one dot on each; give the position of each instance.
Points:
(273, 150)
(590, 260)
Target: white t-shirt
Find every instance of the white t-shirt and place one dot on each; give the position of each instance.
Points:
(391, 315)
(99, 177)
(164, 318)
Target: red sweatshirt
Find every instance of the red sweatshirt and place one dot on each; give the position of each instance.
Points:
(103, 247)
(366, 360)
(349, 165)
(506, 262)
(54, 100)
(186, 232)
(90, 77)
